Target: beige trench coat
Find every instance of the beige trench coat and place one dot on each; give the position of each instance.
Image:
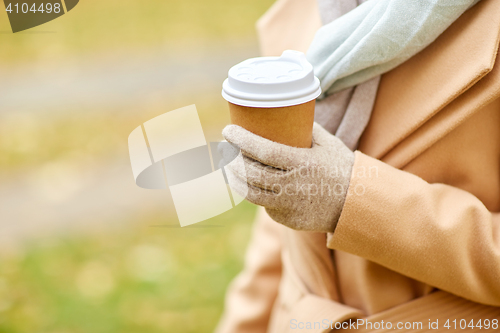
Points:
(422, 210)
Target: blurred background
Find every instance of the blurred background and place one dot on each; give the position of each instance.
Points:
(82, 248)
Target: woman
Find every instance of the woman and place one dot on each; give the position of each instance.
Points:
(417, 213)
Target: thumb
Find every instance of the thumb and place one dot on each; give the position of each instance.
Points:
(321, 136)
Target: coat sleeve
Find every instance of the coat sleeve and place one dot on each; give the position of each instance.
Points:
(434, 233)
(252, 294)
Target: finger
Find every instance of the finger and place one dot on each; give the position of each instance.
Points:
(321, 138)
(251, 193)
(320, 135)
(263, 150)
(227, 152)
(257, 174)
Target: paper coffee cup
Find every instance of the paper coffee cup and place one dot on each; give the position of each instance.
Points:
(274, 97)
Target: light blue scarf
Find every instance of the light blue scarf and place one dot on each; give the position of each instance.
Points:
(359, 43)
(376, 37)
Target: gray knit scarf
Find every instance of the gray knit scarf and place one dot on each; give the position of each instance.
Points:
(347, 112)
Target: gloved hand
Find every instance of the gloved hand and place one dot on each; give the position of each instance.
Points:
(302, 188)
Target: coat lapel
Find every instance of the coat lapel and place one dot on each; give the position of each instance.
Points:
(452, 116)
(426, 85)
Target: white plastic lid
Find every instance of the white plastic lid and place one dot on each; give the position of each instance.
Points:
(272, 81)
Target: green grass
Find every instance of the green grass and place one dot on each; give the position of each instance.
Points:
(120, 27)
(27, 142)
(145, 278)
(140, 278)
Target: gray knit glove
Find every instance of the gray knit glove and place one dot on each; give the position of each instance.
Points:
(304, 189)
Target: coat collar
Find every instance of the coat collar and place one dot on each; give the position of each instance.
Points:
(288, 25)
(425, 86)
